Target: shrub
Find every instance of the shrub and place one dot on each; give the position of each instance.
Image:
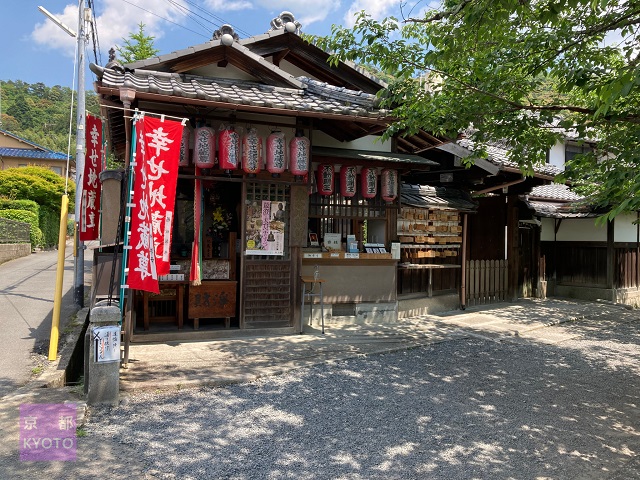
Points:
(35, 234)
(50, 226)
(29, 205)
(35, 183)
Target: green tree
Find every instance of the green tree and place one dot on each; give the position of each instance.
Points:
(138, 47)
(519, 71)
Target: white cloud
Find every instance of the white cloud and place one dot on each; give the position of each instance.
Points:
(115, 21)
(227, 5)
(50, 35)
(375, 8)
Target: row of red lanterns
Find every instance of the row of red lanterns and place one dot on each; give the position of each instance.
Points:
(246, 152)
(368, 181)
(250, 158)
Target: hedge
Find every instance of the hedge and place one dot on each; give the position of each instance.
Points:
(29, 205)
(35, 234)
(50, 226)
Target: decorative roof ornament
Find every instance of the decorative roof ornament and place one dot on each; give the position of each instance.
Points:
(113, 62)
(286, 21)
(226, 34)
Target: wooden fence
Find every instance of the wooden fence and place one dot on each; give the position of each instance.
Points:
(486, 281)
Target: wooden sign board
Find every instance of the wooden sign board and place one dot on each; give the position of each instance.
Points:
(215, 299)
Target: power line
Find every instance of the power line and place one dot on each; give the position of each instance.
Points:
(94, 33)
(219, 19)
(163, 18)
(188, 13)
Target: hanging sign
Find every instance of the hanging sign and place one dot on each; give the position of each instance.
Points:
(326, 176)
(348, 180)
(204, 149)
(141, 259)
(276, 151)
(299, 155)
(265, 228)
(369, 181)
(228, 148)
(251, 152)
(185, 144)
(90, 198)
(156, 176)
(389, 185)
(163, 155)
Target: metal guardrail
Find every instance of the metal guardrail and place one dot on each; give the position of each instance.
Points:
(12, 231)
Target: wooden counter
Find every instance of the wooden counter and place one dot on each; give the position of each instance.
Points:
(354, 278)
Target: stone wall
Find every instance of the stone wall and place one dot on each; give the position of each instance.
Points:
(10, 251)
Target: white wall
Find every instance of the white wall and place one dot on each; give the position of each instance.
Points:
(229, 72)
(624, 229)
(574, 230)
(370, 142)
(556, 155)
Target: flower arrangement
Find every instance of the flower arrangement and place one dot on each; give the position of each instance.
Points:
(221, 220)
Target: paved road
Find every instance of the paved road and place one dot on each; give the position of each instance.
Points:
(27, 288)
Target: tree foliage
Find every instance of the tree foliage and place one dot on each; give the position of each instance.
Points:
(520, 71)
(138, 47)
(40, 114)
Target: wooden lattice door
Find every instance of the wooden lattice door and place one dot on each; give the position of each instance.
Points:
(266, 279)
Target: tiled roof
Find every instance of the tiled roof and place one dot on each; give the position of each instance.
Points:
(31, 153)
(560, 210)
(368, 155)
(554, 191)
(499, 155)
(426, 196)
(317, 97)
(557, 201)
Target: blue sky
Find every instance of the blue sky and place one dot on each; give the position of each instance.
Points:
(33, 49)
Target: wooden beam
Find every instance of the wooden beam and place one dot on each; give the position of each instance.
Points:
(278, 57)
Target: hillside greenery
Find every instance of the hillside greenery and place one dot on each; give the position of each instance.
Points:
(40, 114)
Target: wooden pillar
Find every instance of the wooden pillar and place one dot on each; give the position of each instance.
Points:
(610, 255)
(463, 267)
(512, 247)
(536, 274)
(298, 225)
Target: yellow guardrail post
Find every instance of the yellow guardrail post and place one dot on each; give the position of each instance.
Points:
(57, 299)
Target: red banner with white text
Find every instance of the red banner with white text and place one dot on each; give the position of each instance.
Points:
(163, 139)
(156, 176)
(141, 261)
(90, 198)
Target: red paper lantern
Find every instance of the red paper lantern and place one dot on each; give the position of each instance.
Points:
(276, 151)
(326, 176)
(369, 182)
(348, 175)
(184, 147)
(389, 185)
(228, 148)
(251, 152)
(299, 147)
(205, 148)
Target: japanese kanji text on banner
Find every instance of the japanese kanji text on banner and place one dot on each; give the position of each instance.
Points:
(90, 200)
(154, 191)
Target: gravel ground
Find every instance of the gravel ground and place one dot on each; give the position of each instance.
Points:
(461, 409)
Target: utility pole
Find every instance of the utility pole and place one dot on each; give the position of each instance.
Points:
(78, 282)
(84, 16)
